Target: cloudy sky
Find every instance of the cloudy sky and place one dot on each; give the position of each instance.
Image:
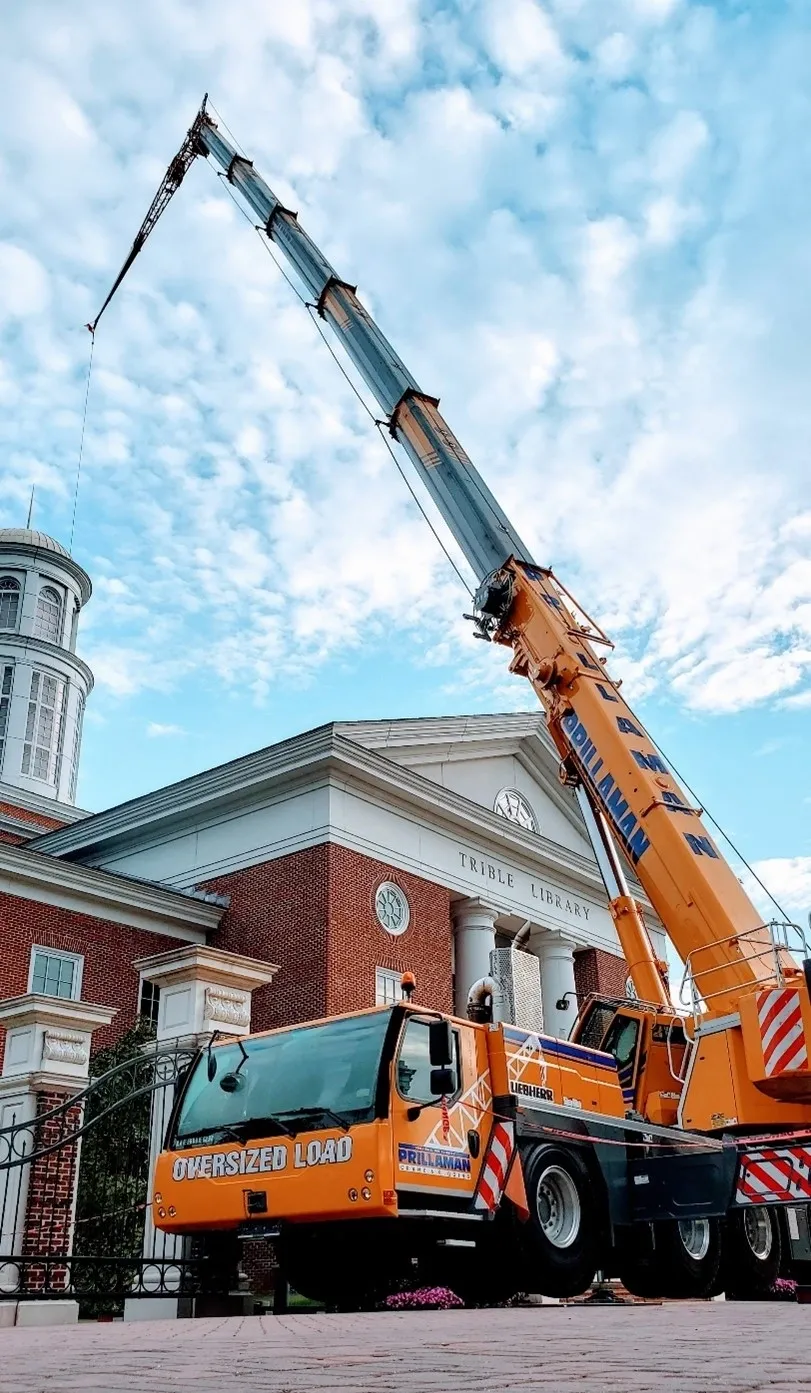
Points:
(585, 224)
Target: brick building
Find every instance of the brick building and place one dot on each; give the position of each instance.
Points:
(345, 855)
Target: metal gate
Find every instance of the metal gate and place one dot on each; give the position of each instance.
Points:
(75, 1217)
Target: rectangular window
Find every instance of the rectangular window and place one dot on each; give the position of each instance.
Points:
(56, 974)
(149, 1003)
(388, 987)
(6, 681)
(60, 743)
(414, 1068)
(77, 740)
(42, 727)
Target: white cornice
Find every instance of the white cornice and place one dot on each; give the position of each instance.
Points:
(325, 755)
(28, 875)
(40, 803)
(177, 805)
(54, 651)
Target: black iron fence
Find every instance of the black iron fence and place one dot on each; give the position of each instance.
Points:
(75, 1215)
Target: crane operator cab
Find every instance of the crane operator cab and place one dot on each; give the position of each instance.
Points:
(650, 1048)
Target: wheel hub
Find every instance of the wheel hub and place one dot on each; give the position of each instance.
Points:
(695, 1237)
(558, 1207)
(757, 1229)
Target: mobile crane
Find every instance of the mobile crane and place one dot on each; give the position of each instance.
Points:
(705, 1116)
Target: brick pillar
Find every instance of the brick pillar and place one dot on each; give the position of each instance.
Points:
(45, 1063)
(202, 990)
(52, 1181)
(598, 971)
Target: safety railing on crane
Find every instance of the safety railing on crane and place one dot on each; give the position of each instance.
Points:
(786, 943)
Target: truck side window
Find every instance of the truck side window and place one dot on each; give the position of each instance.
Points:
(414, 1063)
(621, 1040)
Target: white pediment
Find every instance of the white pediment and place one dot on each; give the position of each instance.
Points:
(480, 758)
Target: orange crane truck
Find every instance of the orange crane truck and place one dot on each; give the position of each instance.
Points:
(673, 1150)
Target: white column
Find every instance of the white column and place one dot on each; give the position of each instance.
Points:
(47, 1051)
(202, 990)
(474, 941)
(557, 981)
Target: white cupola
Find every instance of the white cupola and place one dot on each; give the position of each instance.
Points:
(43, 685)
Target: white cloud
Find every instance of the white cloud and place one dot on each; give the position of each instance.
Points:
(604, 279)
(522, 36)
(155, 730)
(24, 282)
(788, 878)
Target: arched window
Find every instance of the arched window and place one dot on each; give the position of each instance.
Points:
(48, 623)
(9, 602)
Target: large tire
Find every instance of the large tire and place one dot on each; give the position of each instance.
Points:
(563, 1239)
(636, 1264)
(753, 1253)
(688, 1257)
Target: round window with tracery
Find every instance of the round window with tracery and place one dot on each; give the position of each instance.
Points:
(513, 806)
(391, 908)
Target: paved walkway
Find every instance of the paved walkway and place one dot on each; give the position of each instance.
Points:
(695, 1347)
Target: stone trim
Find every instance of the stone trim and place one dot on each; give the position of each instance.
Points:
(27, 874)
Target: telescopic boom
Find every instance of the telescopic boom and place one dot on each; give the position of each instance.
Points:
(749, 993)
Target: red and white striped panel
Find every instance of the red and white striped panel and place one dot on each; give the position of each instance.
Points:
(781, 1030)
(496, 1166)
(774, 1176)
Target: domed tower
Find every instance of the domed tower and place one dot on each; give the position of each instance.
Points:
(43, 685)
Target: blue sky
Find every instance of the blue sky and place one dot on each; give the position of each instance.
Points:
(583, 224)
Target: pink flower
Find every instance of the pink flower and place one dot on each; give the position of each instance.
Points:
(424, 1299)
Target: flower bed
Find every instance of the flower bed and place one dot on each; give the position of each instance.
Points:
(424, 1299)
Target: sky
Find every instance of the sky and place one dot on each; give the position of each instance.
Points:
(585, 226)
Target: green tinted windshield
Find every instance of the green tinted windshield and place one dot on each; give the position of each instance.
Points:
(290, 1075)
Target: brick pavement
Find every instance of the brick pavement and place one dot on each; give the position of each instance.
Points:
(721, 1347)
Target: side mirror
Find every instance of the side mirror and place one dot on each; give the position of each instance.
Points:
(440, 1043)
(443, 1082)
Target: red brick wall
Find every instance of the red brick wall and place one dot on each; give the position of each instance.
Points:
(278, 912)
(313, 913)
(14, 838)
(41, 819)
(109, 950)
(598, 971)
(357, 943)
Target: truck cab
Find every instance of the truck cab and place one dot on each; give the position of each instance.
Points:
(649, 1047)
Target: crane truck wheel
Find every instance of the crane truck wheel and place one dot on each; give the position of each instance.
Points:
(753, 1253)
(688, 1257)
(562, 1240)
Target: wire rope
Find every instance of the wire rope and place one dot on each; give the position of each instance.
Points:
(81, 441)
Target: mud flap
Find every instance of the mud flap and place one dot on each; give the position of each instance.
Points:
(501, 1172)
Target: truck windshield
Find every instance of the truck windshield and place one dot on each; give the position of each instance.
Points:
(299, 1078)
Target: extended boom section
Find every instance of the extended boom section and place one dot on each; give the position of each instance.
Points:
(481, 528)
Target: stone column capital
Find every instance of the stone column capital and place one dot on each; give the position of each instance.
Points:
(547, 944)
(48, 1042)
(204, 989)
(474, 910)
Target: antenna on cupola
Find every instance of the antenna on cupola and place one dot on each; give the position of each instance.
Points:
(31, 507)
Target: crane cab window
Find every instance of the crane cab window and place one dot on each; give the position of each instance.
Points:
(594, 1024)
(622, 1040)
(413, 1068)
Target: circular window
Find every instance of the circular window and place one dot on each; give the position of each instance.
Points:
(391, 908)
(514, 807)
